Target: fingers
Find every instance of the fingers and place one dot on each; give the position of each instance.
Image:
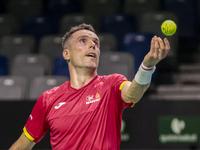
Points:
(153, 45)
(167, 45)
(159, 47)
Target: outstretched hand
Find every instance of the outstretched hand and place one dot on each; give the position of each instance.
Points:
(159, 50)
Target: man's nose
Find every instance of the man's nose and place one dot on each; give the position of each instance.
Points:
(92, 44)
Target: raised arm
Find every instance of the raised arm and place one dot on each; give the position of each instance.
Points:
(23, 143)
(133, 91)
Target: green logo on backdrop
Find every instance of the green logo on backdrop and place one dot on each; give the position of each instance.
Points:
(125, 136)
(179, 129)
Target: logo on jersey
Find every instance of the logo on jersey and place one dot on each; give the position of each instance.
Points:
(60, 104)
(92, 98)
(31, 117)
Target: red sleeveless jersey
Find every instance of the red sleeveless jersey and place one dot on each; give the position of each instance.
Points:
(88, 118)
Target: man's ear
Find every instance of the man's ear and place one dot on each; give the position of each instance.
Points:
(66, 54)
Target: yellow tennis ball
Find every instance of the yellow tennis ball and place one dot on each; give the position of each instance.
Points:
(168, 27)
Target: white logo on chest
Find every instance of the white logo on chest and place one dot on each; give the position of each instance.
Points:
(92, 99)
(60, 104)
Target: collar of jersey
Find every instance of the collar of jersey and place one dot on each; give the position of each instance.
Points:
(71, 88)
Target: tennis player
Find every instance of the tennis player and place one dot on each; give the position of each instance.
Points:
(85, 113)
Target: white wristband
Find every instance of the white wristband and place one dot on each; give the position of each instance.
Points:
(144, 74)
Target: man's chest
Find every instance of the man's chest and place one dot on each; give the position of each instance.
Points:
(79, 102)
(78, 111)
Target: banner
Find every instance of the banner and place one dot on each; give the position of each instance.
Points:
(179, 129)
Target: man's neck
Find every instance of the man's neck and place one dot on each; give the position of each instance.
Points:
(79, 79)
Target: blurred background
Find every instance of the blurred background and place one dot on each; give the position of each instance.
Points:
(167, 117)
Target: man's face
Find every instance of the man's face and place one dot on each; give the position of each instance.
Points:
(84, 49)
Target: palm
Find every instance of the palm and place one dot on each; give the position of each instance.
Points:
(159, 50)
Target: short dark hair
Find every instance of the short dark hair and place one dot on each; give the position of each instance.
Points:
(82, 26)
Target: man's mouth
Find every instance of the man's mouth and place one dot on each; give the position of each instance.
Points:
(91, 55)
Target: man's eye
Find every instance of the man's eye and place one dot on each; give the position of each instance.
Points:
(83, 40)
(96, 43)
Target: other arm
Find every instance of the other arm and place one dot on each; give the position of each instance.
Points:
(133, 91)
(23, 143)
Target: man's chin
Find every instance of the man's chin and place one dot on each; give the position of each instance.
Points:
(92, 65)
